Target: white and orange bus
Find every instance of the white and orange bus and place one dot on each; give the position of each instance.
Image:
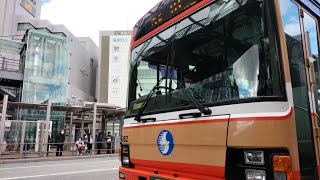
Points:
(224, 89)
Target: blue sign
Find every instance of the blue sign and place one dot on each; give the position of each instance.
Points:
(172, 73)
(165, 142)
(120, 40)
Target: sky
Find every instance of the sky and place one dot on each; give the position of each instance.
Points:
(86, 18)
(290, 13)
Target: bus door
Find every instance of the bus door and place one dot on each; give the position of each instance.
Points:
(311, 47)
(301, 33)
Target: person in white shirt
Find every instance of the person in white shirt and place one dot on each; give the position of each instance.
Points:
(80, 146)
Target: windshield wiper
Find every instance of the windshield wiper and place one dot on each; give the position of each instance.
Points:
(145, 103)
(203, 109)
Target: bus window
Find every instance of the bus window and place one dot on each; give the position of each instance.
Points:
(230, 47)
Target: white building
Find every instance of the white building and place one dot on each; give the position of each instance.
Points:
(12, 10)
(114, 67)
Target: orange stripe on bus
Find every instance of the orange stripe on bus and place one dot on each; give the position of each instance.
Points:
(213, 171)
(296, 175)
(171, 21)
(270, 118)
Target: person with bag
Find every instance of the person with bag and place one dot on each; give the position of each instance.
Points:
(109, 143)
(80, 146)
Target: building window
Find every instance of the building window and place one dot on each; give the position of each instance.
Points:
(44, 30)
(24, 26)
(60, 34)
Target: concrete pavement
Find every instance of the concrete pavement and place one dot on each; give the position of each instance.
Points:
(79, 169)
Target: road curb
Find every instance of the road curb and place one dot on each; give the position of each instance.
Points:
(14, 161)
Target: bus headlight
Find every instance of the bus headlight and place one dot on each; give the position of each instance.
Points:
(252, 174)
(122, 175)
(125, 155)
(125, 149)
(125, 160)
(254, 157)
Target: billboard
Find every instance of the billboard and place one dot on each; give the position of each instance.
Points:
(30, 7)
(118, 69)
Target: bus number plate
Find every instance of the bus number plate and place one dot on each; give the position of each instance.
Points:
(157, 178)
(125, 138)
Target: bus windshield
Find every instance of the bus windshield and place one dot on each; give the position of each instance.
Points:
(224, 52)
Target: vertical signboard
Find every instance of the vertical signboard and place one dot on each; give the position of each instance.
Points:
(29, 6)
(118, 69)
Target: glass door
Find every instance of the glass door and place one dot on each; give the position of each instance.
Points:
(301, 35)
(311, 46)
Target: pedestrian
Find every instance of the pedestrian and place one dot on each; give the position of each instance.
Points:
(48, 145)
(99, 142)
(109, 143)
(80, 146)
(60, 141)
(85, 140)
(89, 144)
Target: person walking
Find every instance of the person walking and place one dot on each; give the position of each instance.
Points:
(60, 141)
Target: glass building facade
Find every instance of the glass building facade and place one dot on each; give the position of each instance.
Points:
(45, 75)
(46, 68)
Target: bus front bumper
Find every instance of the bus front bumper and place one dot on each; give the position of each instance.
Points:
(135, 174)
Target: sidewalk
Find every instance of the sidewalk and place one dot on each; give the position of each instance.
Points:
(52, 157)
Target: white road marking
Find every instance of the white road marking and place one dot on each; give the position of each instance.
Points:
(23, 167)
(57, 174)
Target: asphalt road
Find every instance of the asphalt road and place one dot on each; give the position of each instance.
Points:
(79, 169)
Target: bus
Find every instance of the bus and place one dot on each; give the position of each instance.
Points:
(224, 89)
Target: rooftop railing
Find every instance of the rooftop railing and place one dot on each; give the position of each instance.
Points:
(11, 65)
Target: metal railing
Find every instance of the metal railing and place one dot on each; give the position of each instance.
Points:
(11, 65)
(40, 150)
(32, 138)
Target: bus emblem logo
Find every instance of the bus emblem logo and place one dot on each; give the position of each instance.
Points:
(165, 142)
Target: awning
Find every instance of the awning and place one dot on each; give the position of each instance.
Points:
(10, 46)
